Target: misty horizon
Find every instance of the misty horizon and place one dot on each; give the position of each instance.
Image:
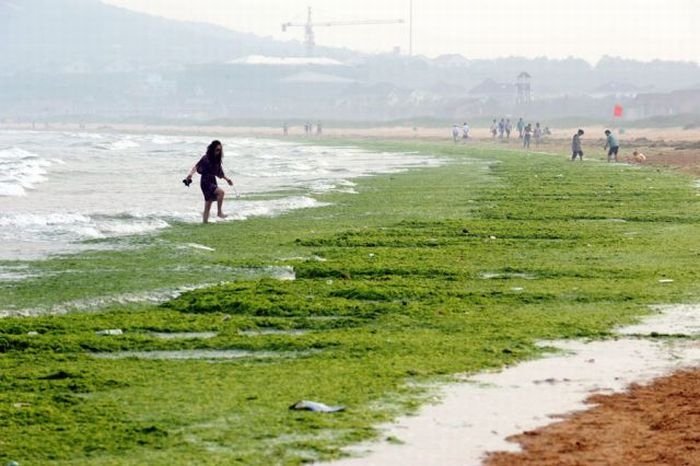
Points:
(87, 60)
(651, 31)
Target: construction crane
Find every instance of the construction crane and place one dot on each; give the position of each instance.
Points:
(309, 26)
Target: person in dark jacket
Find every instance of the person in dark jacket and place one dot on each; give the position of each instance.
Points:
(576, 149)
(209, 167)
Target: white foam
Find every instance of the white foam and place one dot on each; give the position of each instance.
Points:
(153, 296)
(20, 171)
(272, 208)
(54, 220)
(15, 190)
(96, 186)
(15, 273)
(71, 226)
(121, 144)
(121, 227)
(681, 319)
(199, 246)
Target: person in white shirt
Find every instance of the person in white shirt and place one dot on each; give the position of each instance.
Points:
(455, 133)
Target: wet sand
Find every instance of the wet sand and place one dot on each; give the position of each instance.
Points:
(655, 424)
(488, 412)
(383, 132)
(674, 147)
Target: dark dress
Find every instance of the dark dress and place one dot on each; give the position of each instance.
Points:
(209, 172)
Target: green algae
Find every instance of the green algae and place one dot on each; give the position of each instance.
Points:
(422, 275)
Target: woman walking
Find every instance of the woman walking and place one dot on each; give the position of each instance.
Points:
(209, 167)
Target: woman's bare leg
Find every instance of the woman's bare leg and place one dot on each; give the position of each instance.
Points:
(219, 203)
(205, 214)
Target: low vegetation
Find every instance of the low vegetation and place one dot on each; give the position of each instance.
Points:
(420, 276)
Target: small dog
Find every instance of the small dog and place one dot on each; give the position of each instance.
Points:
(637, 157)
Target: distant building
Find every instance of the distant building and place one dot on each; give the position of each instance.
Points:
(492, 90)
(311, 77)
(257, 60)
(618, 89)
(672, 103)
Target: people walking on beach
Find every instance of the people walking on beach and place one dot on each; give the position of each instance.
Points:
(509, 128)
(520, 125)
(465, 131)
(612, 145)
(537, 134)
(209, 167)
(527, 134)
(455, 133)
(319, 129)
(501, 128)
(576, 146)
(494, 129)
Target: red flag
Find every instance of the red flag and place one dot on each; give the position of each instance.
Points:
(617, 110)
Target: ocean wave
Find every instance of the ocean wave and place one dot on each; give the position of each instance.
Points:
(15, 153)
(21, 170)
(73, 226)
(121, 144)
(110, 185)
(272, 208)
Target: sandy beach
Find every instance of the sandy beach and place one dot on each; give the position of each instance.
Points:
(383, 132)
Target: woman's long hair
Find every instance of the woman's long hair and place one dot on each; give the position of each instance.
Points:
(212, 155)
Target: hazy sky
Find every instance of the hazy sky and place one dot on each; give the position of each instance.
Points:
(639, 29)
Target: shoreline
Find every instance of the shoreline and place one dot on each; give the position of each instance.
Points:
(479, 416)
(673, 147)
(480, 134)
(648, 424)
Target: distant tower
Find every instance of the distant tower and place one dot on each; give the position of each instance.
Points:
(309, 35)
(523, 86)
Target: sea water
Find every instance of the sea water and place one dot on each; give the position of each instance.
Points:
(58, 189)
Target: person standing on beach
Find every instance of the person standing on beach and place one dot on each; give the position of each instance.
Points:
(465, 131)
(520, 126)
(455, 133)
(209, 167)
(537, 134)
(527, 134)
(612, 145)
(576, 146)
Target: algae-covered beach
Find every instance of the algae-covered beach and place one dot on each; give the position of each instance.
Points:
(365, 302)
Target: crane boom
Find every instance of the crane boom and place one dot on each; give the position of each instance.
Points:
(343, 23)
(310, 25)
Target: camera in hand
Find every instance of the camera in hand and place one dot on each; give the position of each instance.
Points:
(187, 182)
